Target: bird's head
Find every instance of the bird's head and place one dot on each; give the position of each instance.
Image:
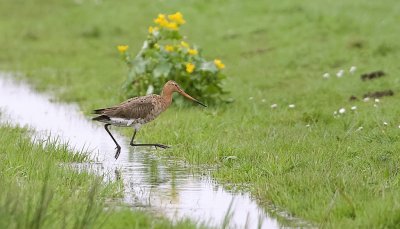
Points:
(171, 86)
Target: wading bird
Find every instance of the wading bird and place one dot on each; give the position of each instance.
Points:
(137, 111)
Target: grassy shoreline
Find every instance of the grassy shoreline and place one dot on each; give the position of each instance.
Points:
(328, 172)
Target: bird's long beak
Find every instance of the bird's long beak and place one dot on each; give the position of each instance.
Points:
(190, 97)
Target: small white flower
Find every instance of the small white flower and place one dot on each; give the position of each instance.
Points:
(308, 125)
(399, 126)
(340, 73)
(353, 108)
(274, 105)
(292, 106)
(366, 99)
(342, 111)
(360, 128)
(377, 100)
(385, 123)
(263, 100)
(251, 98)
(326, 75)
(334, 113)
(353, 69)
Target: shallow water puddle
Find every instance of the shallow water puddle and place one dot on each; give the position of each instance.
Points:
(150, 182)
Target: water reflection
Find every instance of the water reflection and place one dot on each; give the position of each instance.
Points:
(157, 184)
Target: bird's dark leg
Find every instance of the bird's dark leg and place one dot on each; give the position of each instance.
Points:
(156, 145)
(116, 143)
(133, 137)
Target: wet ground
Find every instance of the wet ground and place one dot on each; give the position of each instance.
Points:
(162, 185)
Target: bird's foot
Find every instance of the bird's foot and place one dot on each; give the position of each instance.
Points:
(161, 146)
(155, 145)
(118, 148)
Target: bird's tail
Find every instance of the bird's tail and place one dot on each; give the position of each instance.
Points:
(101, 118)
(98, 111)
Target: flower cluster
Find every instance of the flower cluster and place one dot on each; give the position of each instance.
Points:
(165, 55)
(173, 22)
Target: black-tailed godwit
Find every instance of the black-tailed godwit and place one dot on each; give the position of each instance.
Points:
(137, 111)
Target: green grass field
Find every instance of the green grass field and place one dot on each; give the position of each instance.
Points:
(330, 173)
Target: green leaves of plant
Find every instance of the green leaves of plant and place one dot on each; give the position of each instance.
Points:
(209, 66)
(139, 65)
(162, 69)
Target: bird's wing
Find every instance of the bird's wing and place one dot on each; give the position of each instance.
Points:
(133, 108)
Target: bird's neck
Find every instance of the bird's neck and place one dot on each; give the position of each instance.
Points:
(166, 96)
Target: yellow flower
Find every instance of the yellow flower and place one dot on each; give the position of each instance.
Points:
(189, 67)
(177, 17)
(192, 52)
(184, 44)
(171, 25)
(122, 48)
(153, 29)
(219, 64)
(169, 48)
(161, 20)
